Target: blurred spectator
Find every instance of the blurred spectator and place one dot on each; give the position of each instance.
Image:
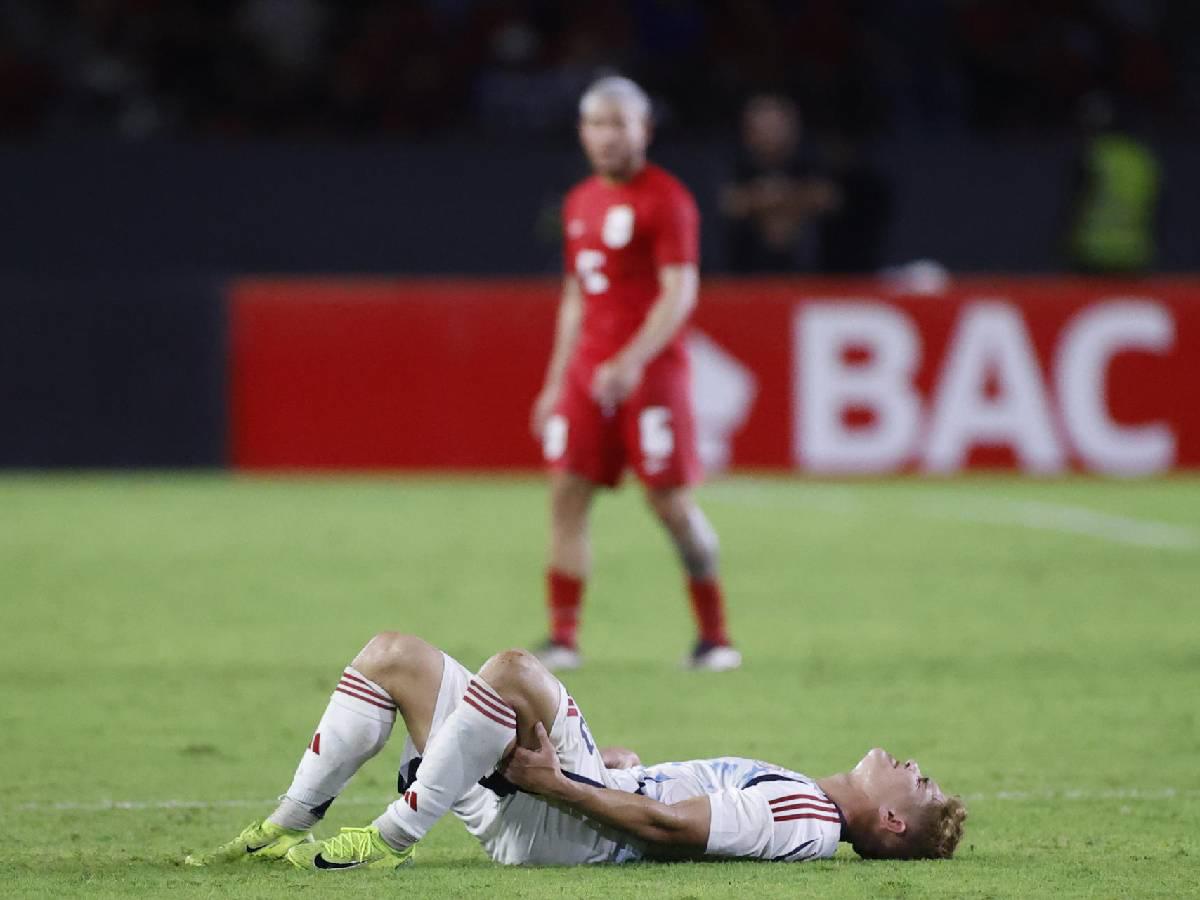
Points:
(775, 195)
(1113, 197)
(852, 234)
(138, 68)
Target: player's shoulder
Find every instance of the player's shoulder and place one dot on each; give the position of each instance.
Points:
(582, 188)
(660, 181)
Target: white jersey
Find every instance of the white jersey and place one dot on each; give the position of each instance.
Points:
(759, 810)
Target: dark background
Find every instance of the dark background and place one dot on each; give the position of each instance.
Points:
(309, 135)
(150, 149)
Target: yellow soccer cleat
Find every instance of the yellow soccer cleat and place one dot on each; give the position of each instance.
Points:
(352, 848)
(261, 841)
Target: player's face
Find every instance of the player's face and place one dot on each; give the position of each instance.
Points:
(896, 785)
(614, 136)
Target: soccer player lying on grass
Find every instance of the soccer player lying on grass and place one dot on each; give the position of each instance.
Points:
(509, 753)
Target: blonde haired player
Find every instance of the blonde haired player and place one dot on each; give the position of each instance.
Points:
(617, 387)
(508, 751)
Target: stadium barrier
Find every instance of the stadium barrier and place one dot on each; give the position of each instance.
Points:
(112, 371)
(1044, 375)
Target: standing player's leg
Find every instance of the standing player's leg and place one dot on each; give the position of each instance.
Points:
(392, 673)
(696, 542)
(569, 565)
(583, 447)
(660, 438)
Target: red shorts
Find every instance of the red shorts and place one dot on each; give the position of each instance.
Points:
(653, 431)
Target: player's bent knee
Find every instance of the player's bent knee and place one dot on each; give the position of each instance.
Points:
(514, 672)
(392, 651)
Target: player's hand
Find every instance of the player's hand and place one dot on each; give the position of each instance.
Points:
(536, 771)
(543, 409)
(615, 380)
(619, 758)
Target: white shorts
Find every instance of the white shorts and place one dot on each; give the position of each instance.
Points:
(516, 828)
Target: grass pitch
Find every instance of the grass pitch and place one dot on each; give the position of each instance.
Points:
(169, 643)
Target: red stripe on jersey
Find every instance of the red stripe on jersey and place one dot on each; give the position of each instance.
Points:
(488, 692)
(506, 711)
(816, 806)
(808, 798)
(342, 690)
(364, 686)
(483, 711)
(807, 816)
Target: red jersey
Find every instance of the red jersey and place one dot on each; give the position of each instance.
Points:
(616, 237)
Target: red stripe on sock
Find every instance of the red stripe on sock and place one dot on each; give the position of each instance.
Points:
(502, 710)
(483, 711)
(341, 690)
(365, 686)
(351, 686)
(491, 699)
(489, 693)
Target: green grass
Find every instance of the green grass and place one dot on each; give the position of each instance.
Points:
(174, 638)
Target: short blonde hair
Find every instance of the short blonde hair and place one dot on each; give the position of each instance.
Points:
(934, 834)
(618, 88)
(937, 836)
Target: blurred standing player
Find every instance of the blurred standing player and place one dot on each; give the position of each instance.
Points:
(617, 387)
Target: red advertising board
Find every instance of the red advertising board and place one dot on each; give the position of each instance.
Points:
(1046, 375)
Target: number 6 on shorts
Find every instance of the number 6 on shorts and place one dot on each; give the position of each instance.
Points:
(654, 430)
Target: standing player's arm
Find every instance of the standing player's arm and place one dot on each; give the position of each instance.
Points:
(566, 333)
(679, 286)
(683, 825)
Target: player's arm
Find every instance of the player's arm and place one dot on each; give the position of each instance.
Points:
(566, 333)
(619, 758)
(679, 287)
(683, 825)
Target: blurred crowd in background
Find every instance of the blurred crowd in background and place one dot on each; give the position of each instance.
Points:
(797, 94)
(367, 68)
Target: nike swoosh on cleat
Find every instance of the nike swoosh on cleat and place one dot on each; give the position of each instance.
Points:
(322, 863)
(250, 849)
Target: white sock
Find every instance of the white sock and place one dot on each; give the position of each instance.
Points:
(355, 727)
(468, 746)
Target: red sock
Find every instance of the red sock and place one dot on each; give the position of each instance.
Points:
(564, 597)
(709, 609)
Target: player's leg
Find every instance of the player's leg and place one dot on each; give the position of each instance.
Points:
(696, 542)
(659, 435)
(583, 449)
(392, 673)
(570, 563)
(468, 745)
